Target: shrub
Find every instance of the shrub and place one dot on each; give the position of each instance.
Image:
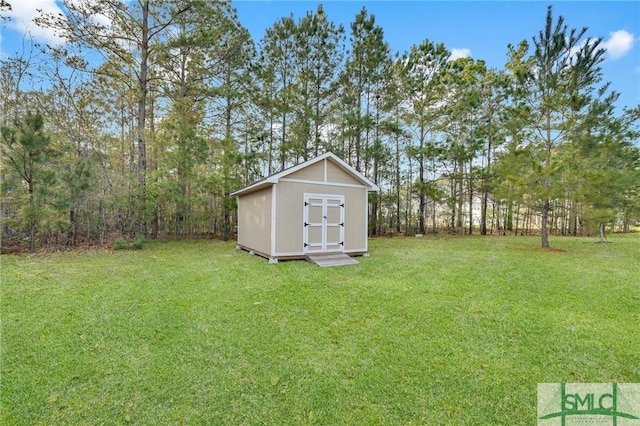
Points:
(125, 245)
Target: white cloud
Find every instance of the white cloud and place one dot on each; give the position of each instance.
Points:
(95, 18)
(24, 11)
(619, 44)
(459, 53)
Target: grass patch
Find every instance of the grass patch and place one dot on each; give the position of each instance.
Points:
(432, 330)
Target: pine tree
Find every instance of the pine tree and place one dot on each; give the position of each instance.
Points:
(28, 152)
(424, 69)
(563, 64)
(361, 80)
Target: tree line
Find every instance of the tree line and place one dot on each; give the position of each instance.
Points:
(152, 113)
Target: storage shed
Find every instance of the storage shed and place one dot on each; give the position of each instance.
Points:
(319, 206)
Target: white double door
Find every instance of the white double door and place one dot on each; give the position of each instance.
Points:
(323, 223)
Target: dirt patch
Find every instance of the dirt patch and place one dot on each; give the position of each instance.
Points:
(14, 248)
(23, 248)
(540, 249)
(553, 249)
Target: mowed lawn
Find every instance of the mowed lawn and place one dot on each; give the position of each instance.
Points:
(434, 330)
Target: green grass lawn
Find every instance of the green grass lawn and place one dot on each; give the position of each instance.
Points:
(425, 331)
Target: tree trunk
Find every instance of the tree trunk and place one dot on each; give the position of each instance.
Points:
(142, 109)
(73, 221)
(227, 154)
(32, 218)
(483, 212)
(423, 201)
(270, 167)
(452, 194)
(398, 183)
(316, 136)
(460, 210)
(546, 207)
(155, 221)
(470, 198)
(408, 216)
(485, 191)
(603, 237)
(433, 218)
(509, 218)
(543, 226)
(4, 210)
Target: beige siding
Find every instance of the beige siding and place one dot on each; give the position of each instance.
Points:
(314, 172)
(289, 215)
(336, 175)
(356, 219)
(254, 221)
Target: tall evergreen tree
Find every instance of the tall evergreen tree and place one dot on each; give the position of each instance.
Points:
(28, 151)
(609, 167)
(463, 138)
(491, 131)
(563, 64)
(124, 34)
(195, 67)
(424, 68)
(277, 64)
(361, 80)
(320, 55)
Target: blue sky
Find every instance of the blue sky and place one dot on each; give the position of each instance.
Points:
(478, 29)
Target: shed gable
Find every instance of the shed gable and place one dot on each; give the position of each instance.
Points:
(336, 174)
(313, 172)
(326, 168)
(325, 171)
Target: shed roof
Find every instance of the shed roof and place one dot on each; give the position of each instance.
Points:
(274, 178)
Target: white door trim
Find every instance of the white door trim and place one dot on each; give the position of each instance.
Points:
(325, 202)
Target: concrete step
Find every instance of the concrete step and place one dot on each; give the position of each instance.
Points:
(325, 260)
